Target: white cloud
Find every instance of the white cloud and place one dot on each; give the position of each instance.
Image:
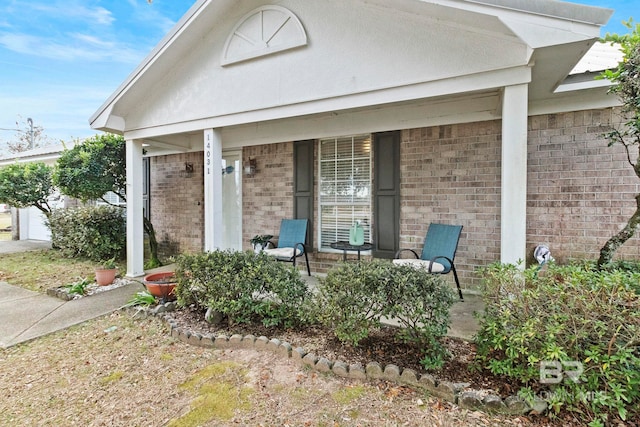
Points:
(62, 59)
(60, 30)
(71, 10)
(72, 47)
(149, 14)
(100, 15)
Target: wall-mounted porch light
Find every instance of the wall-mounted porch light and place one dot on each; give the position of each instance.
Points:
(187, 172)
(250, 167)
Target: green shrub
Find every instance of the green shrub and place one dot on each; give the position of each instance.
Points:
(79, 287)
(95, 232)
(351, 299)
(571, 314)
(354, 297)
(242, 286)
(141, 299)
(420, 302)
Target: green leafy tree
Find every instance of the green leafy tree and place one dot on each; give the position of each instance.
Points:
(27, 184)
(94, 168)
(626, 85)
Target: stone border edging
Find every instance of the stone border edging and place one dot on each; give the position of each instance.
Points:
(60, 293)
(456, 393)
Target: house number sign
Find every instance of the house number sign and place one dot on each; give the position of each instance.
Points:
(208, 153)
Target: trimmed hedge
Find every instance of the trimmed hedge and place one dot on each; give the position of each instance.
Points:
(354, 297)
(567, 316)
(95, 232)
(242, 286)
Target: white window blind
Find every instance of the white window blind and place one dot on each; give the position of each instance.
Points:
(345, 187)
(113, 199)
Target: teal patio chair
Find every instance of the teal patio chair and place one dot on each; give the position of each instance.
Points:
(438, 252)
(291, 242)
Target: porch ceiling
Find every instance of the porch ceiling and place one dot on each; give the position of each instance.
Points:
(446, 109)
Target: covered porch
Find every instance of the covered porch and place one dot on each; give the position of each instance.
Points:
(478, 68)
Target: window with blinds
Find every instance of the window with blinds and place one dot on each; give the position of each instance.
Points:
(113, 199)
(345, 187)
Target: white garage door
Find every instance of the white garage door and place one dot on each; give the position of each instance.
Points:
(32, 225)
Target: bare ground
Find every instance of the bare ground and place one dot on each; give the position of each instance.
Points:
(385, 348)
(121, 371)
(124, 371)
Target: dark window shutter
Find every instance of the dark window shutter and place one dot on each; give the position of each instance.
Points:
(386, 196)
(303, 184)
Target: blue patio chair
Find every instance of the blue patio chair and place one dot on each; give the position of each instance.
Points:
(438, 252)
(291, 242)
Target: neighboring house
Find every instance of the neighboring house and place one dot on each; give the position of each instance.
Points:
(30, 221)
(396, 113)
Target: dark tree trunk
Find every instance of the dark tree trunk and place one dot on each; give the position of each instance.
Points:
(154, 261)
(613, 244)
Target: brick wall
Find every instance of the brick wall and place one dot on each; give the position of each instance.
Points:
(580, 191)
(451, 174)
(267, 197)
(177, 203)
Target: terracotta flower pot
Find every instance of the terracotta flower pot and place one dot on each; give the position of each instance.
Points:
(105, 276)
(161, 285)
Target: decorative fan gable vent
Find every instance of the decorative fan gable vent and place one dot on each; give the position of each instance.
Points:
(263, 31)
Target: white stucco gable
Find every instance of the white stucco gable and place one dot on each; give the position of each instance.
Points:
(361, 50)
(337, 55)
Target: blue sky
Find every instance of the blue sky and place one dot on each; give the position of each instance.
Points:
(624, 9)
(61, 59)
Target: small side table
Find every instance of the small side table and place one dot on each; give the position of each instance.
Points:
(346, 247)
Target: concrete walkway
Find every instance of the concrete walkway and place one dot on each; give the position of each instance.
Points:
(26, 315)
(13, 246)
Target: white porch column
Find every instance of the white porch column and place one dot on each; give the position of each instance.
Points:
(135, 228)
(513, 215)
(212, 190)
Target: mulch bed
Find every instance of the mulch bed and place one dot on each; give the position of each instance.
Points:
(381, 346)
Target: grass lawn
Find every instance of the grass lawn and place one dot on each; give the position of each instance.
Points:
(42, 270)
(123, 371)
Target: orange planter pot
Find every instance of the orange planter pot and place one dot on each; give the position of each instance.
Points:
(161, 285)
(105, 276)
